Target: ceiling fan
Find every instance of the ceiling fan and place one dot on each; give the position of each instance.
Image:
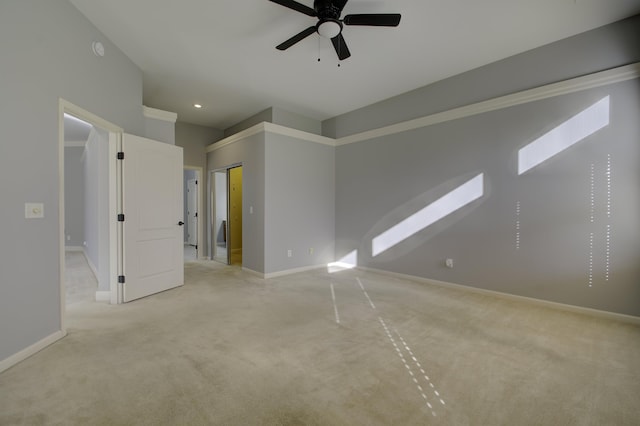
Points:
(330, 25)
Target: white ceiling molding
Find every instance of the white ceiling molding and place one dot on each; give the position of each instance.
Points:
(298, 134)
(253, 130)
(603, 78)
(598, 79)
(158, 114)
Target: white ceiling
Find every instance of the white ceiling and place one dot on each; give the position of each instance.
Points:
(221, 53)
(76, 130)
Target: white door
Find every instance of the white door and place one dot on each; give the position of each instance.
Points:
(152, 179)
(192, 212)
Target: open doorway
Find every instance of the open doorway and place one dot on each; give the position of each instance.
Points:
(226, 215)
(88, 251)
(192, 226)
(235, 215)
(86, 211)
(81, 171)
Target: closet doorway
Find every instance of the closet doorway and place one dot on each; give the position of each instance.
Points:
(226, 220)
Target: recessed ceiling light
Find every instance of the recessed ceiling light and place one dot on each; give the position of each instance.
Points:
(197, 106)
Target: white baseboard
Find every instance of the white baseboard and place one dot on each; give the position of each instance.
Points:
(73, 248)
(103, 296)
(283, 273)
(31, 350)
(293, 271)
(252, 272)
(554, 305)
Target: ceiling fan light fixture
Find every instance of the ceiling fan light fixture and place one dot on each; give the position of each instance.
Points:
(329, 28)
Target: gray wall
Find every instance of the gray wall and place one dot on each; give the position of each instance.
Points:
(45, 46)
(251, 153)
(596, 50)
(194, 139)
(96, 198)
(92, 186)
(266, 115)
(160, 130)
(74, 196)
(290, 184)
(299, 203)
(528, 235)
(278, 116)
(296, 121)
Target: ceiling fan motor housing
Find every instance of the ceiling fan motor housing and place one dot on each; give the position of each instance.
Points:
(326, 10)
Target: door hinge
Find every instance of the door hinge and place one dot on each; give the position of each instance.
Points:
(196, 214)
(120, 156)
(121, 218)
(121, 279)
(196, 182)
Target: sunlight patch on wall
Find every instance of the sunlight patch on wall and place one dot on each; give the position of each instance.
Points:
(442, 207)
(564, 136)
(349, 261)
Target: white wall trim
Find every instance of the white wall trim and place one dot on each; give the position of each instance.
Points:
(158, 114)
(553, 305)
(293, 271)
(590, 81)
(282, 273)
(31, 350)
(253, 130)
(266, 127)
(252, 272)
(298, 134)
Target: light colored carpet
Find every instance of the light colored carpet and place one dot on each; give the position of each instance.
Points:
(231, 349)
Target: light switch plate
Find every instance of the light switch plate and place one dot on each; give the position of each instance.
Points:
(33, 210)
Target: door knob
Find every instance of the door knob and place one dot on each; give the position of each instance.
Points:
(180, 223)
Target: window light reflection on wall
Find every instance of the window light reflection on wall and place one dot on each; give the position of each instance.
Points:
(564, 136)
(439, 209)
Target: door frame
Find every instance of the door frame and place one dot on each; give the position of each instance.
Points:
(115, 135)
(200, 202)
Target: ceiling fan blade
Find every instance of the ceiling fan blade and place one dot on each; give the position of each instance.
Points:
(341, 47)
(373, 19)
(296, 38)
(296, 6)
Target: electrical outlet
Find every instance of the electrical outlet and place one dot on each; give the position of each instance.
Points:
(449, 263)
(33, 210)
(310, 250)
(289, 253)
